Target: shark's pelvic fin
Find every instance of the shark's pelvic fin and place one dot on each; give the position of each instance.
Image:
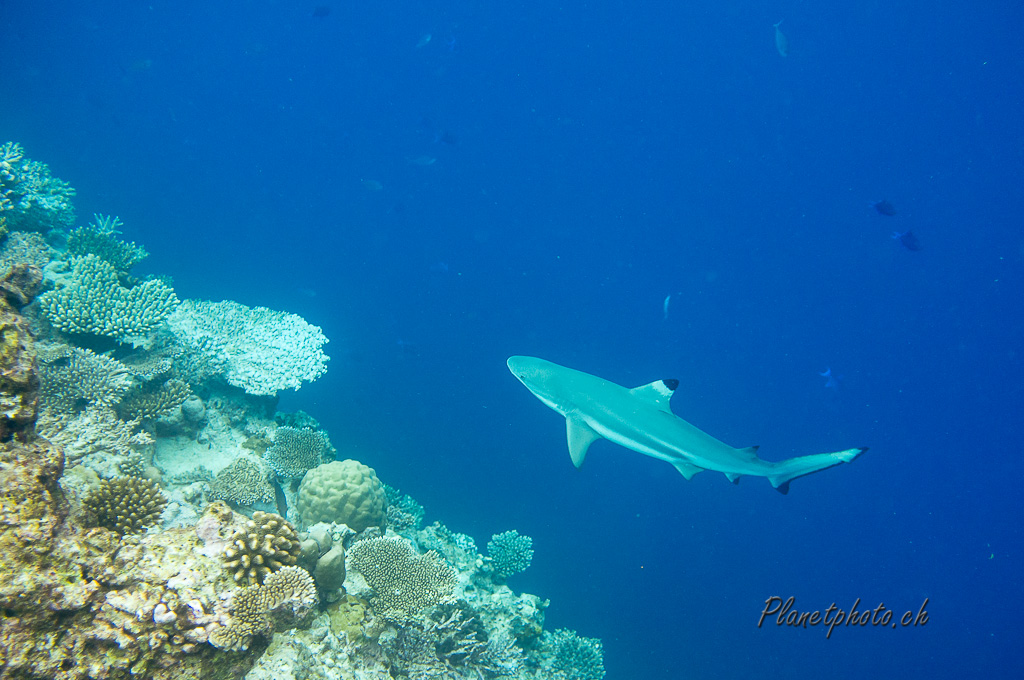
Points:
(580, 436)
(658, 393)
(733, 477)
(686, 469)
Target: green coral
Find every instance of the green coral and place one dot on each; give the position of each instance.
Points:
(265, 544)
(101, 238)
(92, 301)
(403, 582)
(297, 451)
(127, 505)
(574, 657)
(243, 482)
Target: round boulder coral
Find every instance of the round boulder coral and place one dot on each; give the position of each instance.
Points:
(344, 492)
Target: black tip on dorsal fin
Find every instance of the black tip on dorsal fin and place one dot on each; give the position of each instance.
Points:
(671, 384)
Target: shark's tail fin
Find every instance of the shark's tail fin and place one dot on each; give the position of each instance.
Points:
(788, 470)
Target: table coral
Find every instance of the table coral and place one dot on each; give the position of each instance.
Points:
(262, 351)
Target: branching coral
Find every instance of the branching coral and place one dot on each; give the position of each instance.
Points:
(249, 615)
(32, 197)
(510, 553)
(262, 351)
(92, 301)
(265, 545)
(243, 482)
(296, 451)
(127, 504)
(72, 378)
(154, 402)
(25, 247)
(101, 238)
(97, 428)
(403, 582)
(574, 657)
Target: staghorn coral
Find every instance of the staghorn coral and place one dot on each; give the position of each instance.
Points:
(243, 482)
(260, 351)
(266, 544)
(25, 247)
(292, 586)
(90, 300)
(101, 238)
(133, 466)
(345, 492)
(72, 378)
(296, 451)
(403, 582)
(127, 505)
(19, 376)
(31, 197)
(452, 643)
(154, 402)
(404, 513)
(510, 553)
(96, 429)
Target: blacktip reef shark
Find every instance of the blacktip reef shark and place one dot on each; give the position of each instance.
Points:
(641, 420)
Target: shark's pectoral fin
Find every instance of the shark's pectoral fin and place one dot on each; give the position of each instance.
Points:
(580, 436)
(687, 470)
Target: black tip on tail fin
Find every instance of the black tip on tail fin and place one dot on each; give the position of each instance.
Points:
(671, 384)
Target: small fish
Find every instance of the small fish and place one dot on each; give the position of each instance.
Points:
(781, 42)
(884, 207)
(664, 307)
(831, 381)
(422, 161)
(424, 40)
(907, 239)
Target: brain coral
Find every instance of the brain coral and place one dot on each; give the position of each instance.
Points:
(344, 492)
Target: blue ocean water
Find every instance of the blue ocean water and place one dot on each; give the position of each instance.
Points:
(442, 185)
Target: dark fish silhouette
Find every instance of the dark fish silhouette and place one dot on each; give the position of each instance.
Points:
(321, 11)
(907, 239)
(884, 207)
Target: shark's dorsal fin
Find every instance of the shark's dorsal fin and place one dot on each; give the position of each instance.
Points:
(580, 436)
(657, 393)
(750, 453)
